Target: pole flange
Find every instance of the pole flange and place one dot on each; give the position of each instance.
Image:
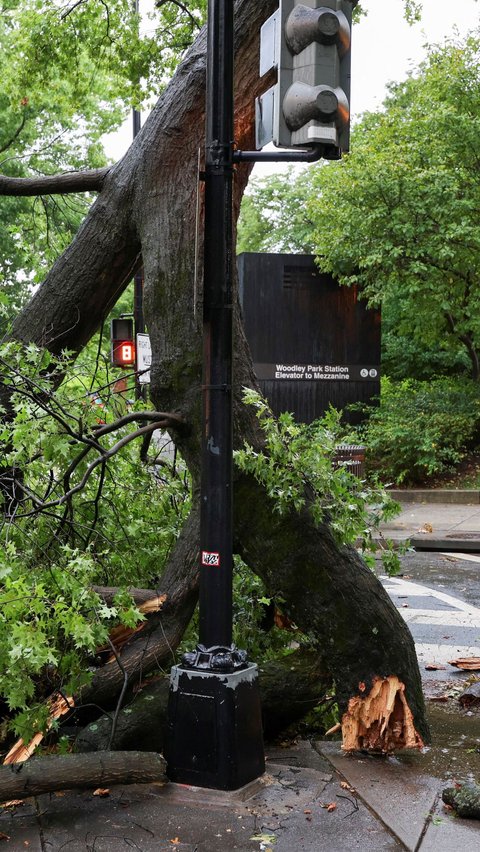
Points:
(219, 658)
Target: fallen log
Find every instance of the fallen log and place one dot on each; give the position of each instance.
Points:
(66, 772)
(289, 688)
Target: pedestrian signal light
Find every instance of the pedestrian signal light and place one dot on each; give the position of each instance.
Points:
(123, 346)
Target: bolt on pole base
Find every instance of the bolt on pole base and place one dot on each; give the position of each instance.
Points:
(214, 736)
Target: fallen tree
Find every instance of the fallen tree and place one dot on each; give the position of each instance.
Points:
(289, 687)
(66, 772)
(146, 213)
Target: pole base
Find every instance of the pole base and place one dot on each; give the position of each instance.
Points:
(214, 736)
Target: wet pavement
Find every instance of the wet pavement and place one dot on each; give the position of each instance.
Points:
(436, 526)
(313, 797)
(444, 627)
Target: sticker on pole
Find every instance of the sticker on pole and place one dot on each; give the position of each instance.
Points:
(212, 560)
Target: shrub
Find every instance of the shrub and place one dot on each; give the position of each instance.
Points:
(421, 429)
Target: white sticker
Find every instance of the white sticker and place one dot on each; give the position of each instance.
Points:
(212, 560)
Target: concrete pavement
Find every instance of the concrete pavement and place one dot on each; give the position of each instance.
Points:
(313, 797)
(432, 525)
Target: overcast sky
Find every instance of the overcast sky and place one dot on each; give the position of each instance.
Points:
(384, 48)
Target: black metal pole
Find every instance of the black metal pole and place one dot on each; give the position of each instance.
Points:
(138, 315)
(216, 480)
(214, 736)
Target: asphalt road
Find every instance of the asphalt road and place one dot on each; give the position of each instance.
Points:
(438, 595)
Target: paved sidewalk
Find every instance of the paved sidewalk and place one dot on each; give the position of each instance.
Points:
(284, 811)
(436, 526)
(312, 799)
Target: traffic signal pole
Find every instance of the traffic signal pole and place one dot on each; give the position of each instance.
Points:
(138, 314)
(214, 736)
(216, 509)
(214, 717)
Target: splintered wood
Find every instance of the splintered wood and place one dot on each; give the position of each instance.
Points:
(380, 721)
(21, 751)
(121, 634)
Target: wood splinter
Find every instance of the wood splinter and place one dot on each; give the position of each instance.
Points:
(380, 721)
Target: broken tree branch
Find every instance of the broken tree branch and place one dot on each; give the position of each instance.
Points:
(380, 721)
(65, 772)
(88, 181)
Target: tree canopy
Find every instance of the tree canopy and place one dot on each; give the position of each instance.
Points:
(399, 216)
(70, 72)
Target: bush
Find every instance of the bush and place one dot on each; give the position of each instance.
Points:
(421, 429)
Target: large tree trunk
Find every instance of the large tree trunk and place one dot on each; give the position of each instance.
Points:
(289, 689)
(148, 205)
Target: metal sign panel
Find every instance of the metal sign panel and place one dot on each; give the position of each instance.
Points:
(144, 358)
(313, 342)
(269, 44)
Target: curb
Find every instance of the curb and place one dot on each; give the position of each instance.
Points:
(465, 497)
(448, 543)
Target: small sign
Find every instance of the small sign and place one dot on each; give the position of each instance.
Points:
(212, 560)
(144, 358)
(317, 372)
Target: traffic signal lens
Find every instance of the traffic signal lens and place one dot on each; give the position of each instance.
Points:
(123, 353)
(123, 346)
(126, 353)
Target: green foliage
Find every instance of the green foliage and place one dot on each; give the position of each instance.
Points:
(421, 429)
(273, 215)
(70, 73)
(253, 621)
(398, 216)
(406, 356)
(50, 623)
(83, 515)
(297, 470)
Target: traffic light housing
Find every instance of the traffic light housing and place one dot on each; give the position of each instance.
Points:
(122, 343)
(309, 44)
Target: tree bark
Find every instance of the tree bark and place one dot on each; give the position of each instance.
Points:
(66, 772)
(289, 689)
(91, 181)
(148, 205)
